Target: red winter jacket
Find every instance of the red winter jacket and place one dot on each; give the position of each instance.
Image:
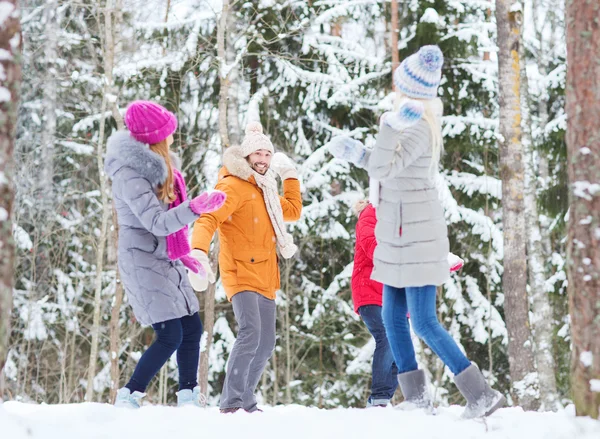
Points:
(364, 290)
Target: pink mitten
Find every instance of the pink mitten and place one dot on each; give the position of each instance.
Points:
(193, 265)
(205, 202)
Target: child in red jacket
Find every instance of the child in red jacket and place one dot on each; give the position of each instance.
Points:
(366, 295)
(367, 299)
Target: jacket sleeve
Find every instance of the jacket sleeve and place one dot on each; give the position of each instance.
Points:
(139, 195)
(206, 226)
(365, 231)
(291, 202)
(396, 150)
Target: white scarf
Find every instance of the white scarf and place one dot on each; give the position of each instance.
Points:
(270, 189)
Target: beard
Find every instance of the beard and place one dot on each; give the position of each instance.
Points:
(259, 167)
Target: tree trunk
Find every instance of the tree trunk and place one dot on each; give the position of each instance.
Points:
(10, 83)
(51, 32)
(104, 186)
(209, 324)
(223, 75)
(233, 117)
(514, 279)
(288, 341)
(209, 298)
(542, 315)
(583, 248)
(394, 39)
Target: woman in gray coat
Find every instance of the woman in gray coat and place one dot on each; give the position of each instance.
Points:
(411, 258)
(153, 213)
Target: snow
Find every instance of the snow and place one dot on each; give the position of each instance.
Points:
(586, 358)
(430, 16)
(95, 421)
(6, 9)
(5, 94)
(585, 189)
(595, 385)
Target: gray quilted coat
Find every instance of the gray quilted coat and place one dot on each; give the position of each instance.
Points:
(157, 288)
(412, 237)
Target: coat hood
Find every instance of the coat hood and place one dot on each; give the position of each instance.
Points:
(122, 150)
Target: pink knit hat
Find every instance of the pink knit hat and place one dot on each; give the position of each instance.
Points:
(149, 122)
(255, 140)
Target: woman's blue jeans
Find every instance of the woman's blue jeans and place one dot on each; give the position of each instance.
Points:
(420, 302)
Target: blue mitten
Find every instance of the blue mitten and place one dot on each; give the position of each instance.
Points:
(347, 148)
(409, 113)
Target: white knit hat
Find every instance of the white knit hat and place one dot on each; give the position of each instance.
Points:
(255, 140)
(419, 75)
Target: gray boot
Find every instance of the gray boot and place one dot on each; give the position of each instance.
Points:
(414, 389)
(482, 400)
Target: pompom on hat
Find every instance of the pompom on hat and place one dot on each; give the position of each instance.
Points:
(255, 139)
(419, 75)
(149, 122)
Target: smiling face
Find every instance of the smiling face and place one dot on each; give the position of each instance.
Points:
(260, 161)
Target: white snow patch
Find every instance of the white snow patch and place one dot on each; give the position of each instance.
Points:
(78, 148)
(22, 238)
(586, 358)
(585, 150)
(6, 9)
(430, 16)
(585, 189)
(5, 95)
(595, 386)
(99, 421)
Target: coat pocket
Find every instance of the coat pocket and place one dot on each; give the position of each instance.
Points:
(253, 268)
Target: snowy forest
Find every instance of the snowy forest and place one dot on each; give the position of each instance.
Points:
(519, 182)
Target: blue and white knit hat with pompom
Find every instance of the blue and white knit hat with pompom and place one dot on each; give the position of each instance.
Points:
(419, 75)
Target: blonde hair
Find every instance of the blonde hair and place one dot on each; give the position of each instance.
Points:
(434, 110)
(165, 191)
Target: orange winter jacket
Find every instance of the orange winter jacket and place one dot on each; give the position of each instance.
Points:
(247, 257)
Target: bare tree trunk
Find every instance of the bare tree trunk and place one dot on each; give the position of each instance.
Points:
(223, 75)
(288, 340)
(10, 84)
(106, 207)
(209, 324)
(583, 248)
(115, 338)
(233, 117)
(542, 325)
(514, 280)
(209, 298)
(114, 328)
(49, 100)
(275, 380)
(394, 39)
(543, 53)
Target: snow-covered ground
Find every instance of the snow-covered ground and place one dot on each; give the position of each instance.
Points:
(82, 421)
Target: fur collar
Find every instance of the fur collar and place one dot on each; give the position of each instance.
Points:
(236, 163)
(122, 150)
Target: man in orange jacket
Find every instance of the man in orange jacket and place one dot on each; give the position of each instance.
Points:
(251, 233)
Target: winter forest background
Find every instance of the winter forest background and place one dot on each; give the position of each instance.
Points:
(317, 69)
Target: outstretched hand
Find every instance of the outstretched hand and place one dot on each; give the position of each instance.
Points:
(208, 202)
(347, 148)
